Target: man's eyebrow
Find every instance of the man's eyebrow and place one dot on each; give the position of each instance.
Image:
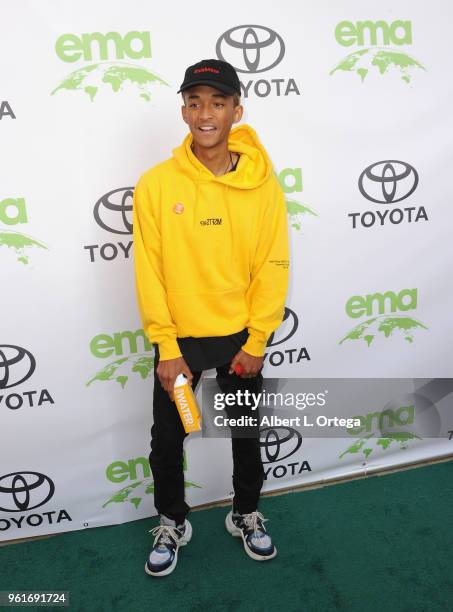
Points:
(214, 95)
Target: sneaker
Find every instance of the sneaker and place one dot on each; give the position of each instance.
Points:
(168, 538)
(257, 542)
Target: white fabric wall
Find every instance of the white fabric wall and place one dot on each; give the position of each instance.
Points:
(74, 420)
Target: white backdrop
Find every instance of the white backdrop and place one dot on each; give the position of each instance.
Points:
(352, 102)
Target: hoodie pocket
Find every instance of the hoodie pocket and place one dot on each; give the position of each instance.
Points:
(209, 314)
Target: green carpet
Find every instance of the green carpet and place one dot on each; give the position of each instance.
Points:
(382, 543)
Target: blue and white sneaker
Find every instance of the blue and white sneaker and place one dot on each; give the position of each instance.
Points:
(257, 542)
(168, 538)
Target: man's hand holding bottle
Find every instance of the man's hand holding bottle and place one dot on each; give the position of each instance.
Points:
(168, 370)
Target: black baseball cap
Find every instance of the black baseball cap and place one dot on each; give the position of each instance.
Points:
(213, 72)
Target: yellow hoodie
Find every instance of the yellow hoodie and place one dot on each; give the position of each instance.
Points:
(211, 252)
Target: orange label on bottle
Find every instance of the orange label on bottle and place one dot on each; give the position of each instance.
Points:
(187, 408)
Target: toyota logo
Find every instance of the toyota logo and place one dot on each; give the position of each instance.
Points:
(16, 365)
(279, 443)
(287, 328)
(387, 182)
(20, 491)
(251, 48)
(113, 211)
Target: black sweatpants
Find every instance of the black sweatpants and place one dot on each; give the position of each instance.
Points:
(167, 437)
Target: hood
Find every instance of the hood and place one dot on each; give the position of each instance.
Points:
(253, 169)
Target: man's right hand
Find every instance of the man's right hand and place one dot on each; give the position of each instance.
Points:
(168, 370)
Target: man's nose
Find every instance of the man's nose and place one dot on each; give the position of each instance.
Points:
(205, 111)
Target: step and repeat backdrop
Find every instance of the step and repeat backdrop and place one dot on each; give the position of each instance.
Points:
(353, 102)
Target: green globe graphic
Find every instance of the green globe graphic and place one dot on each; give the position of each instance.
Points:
(20, 244)
(365, 61)
(296, 211)
(365, 446)
(136, 491)
(385, 326)
(116, 76)
(121, 370)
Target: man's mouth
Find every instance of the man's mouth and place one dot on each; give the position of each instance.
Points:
(206, 129)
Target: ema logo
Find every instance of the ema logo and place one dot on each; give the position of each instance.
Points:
(375, 59)
(120, 370)
(404, 420)
(282, 334)
(253, 49)
(384, 323)
(17, 365)
(113, 213)
(277, 445)
(13, 212)
(138, 485)
(23, 491)
(290, 180)
(6, 110)
(388, 182)
(110, 76)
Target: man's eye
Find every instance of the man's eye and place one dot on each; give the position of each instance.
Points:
(219, 104)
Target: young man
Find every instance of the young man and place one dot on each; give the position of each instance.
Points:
(211, 262)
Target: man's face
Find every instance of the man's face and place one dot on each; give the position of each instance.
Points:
(209, 114)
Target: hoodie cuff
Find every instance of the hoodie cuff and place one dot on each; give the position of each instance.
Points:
(255, 345)
(169, 349)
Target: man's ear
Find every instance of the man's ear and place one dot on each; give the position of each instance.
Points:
(184, 113)
(238, 112)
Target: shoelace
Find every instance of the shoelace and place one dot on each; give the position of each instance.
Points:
(255, 521)
(163, 533)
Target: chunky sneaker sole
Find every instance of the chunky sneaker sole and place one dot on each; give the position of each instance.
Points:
(238, 533)
(185, 539)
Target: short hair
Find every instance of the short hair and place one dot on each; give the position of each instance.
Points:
(236, 99)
